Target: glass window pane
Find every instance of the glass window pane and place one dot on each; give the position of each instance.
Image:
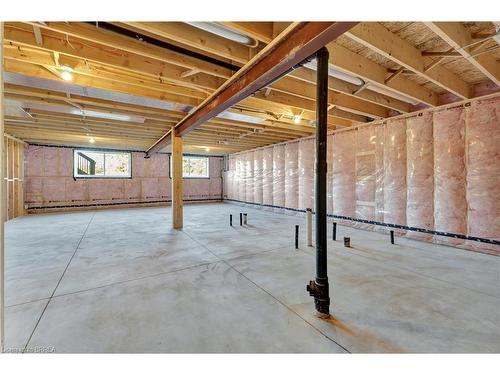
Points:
(89, 163)
(195, 167)
(102, 164)
(117, 164)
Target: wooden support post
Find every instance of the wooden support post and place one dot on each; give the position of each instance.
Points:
(3, 200)
(177, 218)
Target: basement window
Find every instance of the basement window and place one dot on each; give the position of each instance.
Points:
(193, 167)
(101, 164)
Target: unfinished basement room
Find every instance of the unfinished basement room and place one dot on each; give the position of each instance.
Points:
(250, 187)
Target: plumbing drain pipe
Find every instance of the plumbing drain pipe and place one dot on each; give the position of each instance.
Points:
(230, 219)
(334, 232)
(392, 237)
(296, 236)
(319, 288)
(309, 227)
(241, 219)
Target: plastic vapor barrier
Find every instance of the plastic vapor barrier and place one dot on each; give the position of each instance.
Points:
(420, 174)
(395, 172)
(436, 171)
(291, 175)
(257, 177)
(483, 172)
(249, 156)
(344, 178)
(279, 175)
(267, 175)
(306, 173)
(450, 205)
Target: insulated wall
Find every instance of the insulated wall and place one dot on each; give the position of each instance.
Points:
(267, 176)
(420, 173)
(438, 171)
(291, 175)
(50, 183)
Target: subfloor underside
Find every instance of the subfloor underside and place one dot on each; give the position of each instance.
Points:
(122, 280)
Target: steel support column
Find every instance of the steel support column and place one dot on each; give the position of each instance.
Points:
(319, 288)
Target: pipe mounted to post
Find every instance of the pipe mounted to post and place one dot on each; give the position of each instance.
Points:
(319, 287)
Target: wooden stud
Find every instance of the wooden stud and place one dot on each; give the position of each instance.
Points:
(3, 200)
(177, 209)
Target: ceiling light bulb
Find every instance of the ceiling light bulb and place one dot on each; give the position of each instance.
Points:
(67, 76)
(207, 149)
(91, 140)
(296, 119)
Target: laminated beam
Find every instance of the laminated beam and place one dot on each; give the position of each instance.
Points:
(298, 42)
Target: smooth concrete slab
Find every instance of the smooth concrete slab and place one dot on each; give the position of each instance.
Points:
(136, 285)
(208, 309)
(20, 321)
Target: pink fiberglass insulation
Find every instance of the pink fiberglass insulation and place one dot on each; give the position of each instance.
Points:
(395, 172)
(483, 172)
(49, 181)
(420, 173)
(379, 174)
(249, 160)
(267, 175)
(279, 175)
(344, 178)
(450, 205)
(240, 177)
(257, 176)
(231, 176)
(291, 175)
(365, 173)
(329, 176)
(306, 173)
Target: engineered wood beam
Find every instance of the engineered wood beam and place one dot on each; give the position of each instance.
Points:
(295, 44)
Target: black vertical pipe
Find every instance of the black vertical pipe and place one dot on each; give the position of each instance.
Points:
(334, 232)
(230, 219)
(296, 236)
(241, 218)
(392, 237)
(319, 288)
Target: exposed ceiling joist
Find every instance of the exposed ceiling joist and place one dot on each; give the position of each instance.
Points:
(458, 37)
(376, 37)
(298, 42)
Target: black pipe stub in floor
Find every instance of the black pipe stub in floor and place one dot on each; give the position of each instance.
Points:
(347, 241)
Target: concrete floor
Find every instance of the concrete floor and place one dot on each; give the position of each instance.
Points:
(122, 280)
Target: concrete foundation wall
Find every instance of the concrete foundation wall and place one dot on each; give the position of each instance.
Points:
(438, 171)
(50, 182)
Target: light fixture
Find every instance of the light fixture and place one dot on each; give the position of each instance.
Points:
(296, 119)
(91, 140)
(207, 149)
(66, 73)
